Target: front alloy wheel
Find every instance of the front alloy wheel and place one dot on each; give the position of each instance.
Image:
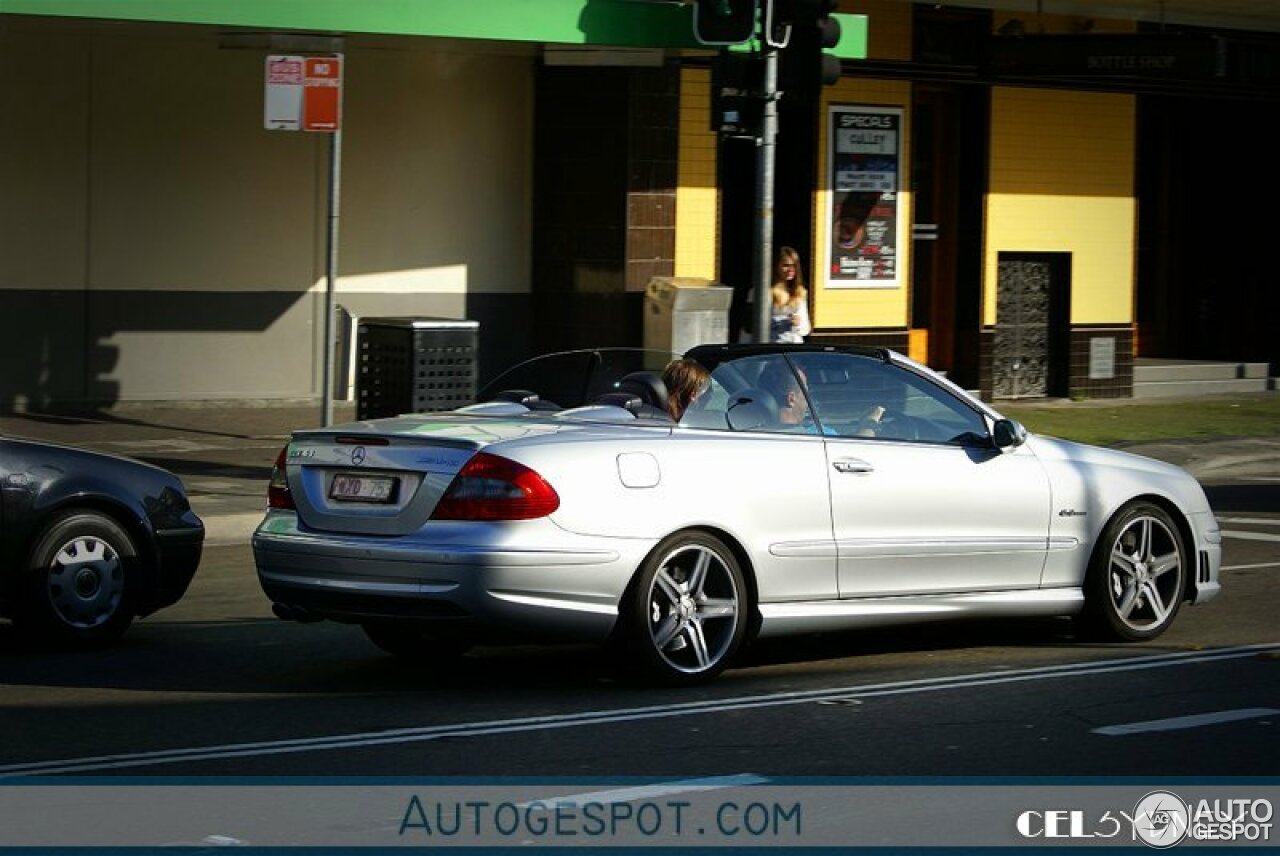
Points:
(688, 615)
(1139, 575)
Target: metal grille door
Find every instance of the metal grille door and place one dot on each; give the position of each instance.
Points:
(1022, 334)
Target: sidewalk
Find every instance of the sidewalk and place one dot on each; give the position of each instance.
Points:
(224, 454)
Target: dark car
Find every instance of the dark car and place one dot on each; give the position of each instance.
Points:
(88, 541)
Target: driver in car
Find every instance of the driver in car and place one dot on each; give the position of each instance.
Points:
(793, 410)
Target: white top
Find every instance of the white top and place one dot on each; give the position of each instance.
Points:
(780, 327)
(790, 324)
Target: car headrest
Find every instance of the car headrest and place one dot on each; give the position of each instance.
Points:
(647, 386)
(633, 404)
(526, 397)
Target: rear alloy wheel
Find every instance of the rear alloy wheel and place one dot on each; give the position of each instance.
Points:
(76, 591)
(688, 613)
(412, 643)
(1138, 576)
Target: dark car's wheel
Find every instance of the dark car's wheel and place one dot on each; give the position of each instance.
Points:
(687, 613)
(412, 643)
(1138, 575)
(76, 590)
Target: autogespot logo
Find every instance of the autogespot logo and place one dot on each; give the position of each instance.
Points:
(1161, 819)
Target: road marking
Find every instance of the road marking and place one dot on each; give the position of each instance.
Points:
(649, 792)
(1177, 723)
(1257, 521)
(399, 736)
(1249, 567)
(1249, 536)
(1261, 478)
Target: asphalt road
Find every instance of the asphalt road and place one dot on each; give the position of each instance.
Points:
(216, 686)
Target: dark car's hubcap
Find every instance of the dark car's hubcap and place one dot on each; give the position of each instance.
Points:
(1146, 573)
(693, 609)
(86, 582)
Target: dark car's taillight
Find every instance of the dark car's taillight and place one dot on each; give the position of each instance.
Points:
(278, 494)
(489, 487)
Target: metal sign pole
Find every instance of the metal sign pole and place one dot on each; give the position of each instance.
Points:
(331, 272)
(767, 151)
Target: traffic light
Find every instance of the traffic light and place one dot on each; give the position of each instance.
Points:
(724, 22)
(807, 29)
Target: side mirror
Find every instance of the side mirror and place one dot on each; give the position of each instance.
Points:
(1008, 434)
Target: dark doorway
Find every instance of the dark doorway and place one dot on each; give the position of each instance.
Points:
(948, 179)
(1031, 344)
(1206, 281)
(737, 180)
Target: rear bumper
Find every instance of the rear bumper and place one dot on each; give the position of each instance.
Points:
(491, 580)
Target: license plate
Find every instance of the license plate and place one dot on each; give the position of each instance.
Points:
(349, 487)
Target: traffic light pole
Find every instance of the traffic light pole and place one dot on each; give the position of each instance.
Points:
(765, 155)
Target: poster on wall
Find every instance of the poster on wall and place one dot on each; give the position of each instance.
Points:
(864, 174)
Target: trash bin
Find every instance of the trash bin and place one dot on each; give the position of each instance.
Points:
(414, 365)
(681, 312)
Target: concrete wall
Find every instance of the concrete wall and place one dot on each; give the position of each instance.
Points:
(159, 244)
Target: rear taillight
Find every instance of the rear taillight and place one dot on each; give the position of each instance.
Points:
(278, 494)
(492, 488)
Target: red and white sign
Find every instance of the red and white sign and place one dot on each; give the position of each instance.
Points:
(303, 93)
(322, 94)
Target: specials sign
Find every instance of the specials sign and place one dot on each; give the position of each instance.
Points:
(864, 175)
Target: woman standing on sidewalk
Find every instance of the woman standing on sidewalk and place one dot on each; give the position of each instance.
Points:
(789, 313)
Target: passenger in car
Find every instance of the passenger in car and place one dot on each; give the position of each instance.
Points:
(685, 380)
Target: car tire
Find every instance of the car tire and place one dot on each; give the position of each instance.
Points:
(77, 587)
(1137, 577)
(687, 612)
(411, 643)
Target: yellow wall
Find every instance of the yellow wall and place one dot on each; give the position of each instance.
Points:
(889, 37)
(863, 307)
(1062, 180)
(697, 199)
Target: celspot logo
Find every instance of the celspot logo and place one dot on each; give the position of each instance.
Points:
(1161, 819)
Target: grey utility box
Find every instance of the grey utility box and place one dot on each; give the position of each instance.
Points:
(414, 365)
(681, 312)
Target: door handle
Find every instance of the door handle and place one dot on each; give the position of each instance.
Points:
(852, 465)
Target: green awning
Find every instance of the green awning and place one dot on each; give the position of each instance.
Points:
(624, 23)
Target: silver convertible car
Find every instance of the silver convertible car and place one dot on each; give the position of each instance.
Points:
(808, 488)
